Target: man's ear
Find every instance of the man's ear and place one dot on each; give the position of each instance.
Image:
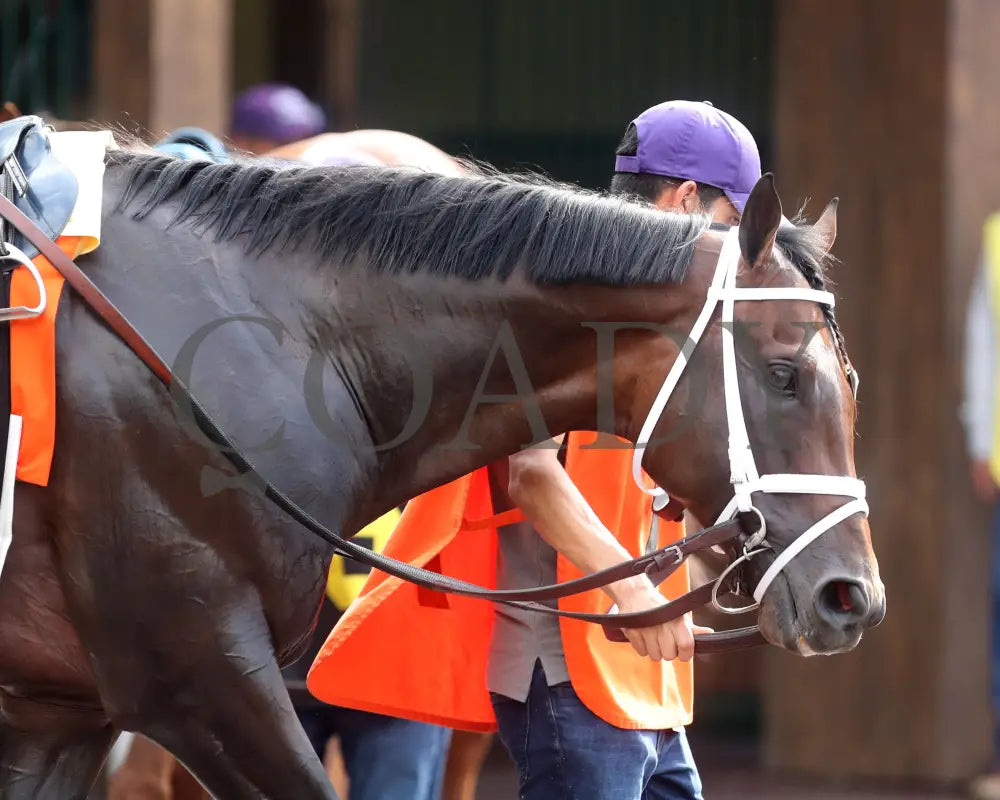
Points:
(668, 199)
(686, 198)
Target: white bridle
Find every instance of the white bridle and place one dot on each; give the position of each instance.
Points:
(744, 476)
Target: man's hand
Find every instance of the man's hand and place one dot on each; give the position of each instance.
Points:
(660, 642)
(983, 484)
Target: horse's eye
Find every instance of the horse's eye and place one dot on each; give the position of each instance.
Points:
(782, 377)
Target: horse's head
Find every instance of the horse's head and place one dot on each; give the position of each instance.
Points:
(763, 422)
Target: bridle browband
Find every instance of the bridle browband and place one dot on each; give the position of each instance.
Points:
(733, 524)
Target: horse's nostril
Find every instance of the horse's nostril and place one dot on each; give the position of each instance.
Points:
(842, 602)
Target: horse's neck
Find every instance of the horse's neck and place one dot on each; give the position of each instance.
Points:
(410, 380)
(469, 372)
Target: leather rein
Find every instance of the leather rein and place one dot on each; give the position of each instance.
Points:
(658, 565)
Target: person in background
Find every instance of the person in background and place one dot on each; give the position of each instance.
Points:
(269, 115)
(687, 157)
(372, 146)
(192, 142)
(583, 718)
(981, 417)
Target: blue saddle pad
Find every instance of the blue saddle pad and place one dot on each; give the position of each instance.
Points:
(40, 185)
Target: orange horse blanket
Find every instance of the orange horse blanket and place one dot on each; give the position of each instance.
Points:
(33, 362)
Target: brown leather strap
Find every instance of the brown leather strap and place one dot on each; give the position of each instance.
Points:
(728, 641)
(705, 643)
(668, 612)
(694, 599)
(673, 511)
(658, 565)
(508, 517)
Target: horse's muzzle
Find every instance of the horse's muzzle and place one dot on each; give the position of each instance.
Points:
(840, 611)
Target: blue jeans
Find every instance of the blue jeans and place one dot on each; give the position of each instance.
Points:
(386, 758)
(563, 751)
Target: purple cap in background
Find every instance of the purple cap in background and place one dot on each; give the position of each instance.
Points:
(276, 111)
(698, 142)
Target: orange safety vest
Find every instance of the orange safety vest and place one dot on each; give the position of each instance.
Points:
(415, 653)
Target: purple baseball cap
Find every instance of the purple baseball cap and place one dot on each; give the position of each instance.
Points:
(276, 111)
(698, 142)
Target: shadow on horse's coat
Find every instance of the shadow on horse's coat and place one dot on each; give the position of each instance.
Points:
(355, 330)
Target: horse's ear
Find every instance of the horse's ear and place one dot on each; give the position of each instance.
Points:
(825, 228)
(760, 221)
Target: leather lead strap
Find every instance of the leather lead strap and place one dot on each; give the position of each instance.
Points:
(525, 599)
(6, 274)
(6, 190)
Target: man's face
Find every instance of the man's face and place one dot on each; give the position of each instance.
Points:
(684, 197)
(723, 210)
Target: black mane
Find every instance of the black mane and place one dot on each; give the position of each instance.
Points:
(407, 220)
(803, 249)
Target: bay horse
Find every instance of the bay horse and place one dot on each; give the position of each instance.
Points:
(367, 334)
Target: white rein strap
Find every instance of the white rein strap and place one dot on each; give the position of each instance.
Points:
(743, 469)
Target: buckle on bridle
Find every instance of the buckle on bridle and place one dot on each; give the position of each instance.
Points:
(756, 537)
(661, 560)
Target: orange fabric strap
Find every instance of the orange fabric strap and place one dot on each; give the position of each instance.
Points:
(496, 521)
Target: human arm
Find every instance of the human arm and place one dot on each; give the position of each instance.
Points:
(551, 502)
